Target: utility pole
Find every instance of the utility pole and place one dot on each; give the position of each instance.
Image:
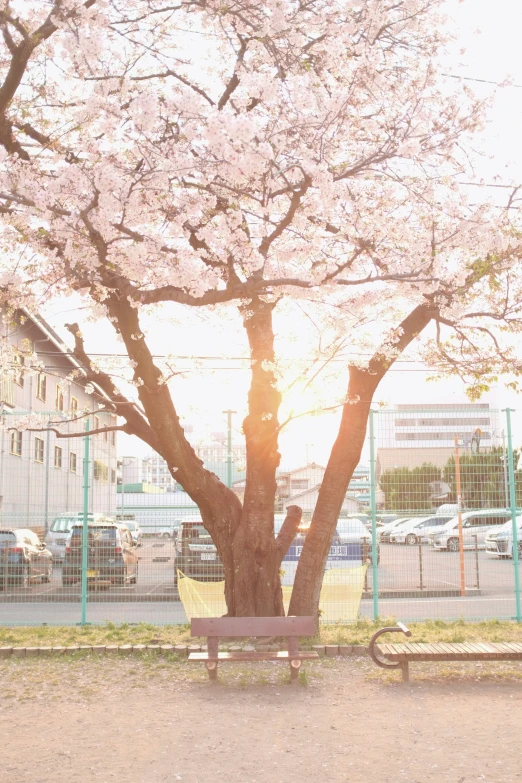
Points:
(229, 446)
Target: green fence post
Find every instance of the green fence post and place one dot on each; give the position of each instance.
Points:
(513, 505)
(47, 459)
(375, 571)
(85, 531)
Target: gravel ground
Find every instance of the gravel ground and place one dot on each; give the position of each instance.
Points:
(156, 720)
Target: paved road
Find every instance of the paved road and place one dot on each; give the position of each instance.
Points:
(161, 613)
(154, 599)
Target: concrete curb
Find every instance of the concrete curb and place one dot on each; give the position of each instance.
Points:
(182, 650)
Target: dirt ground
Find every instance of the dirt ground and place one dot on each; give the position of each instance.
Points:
(157, 721)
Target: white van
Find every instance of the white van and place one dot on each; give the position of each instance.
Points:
(475, 526)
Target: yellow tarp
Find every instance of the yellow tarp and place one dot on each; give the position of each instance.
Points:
(340, 596)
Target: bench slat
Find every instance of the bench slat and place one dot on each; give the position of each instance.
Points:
(386, 650)
(502, 649)
(468, 649)
(513, 647)
(252, 626)
(282, 655)
(486, 649)
(455, 652)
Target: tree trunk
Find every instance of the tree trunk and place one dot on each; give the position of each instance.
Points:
(343, 460)
(256, 579)
(244, 535)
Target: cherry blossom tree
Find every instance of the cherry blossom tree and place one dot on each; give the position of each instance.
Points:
(241, 156)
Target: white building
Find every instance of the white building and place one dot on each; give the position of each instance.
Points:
(411, 435)
(42, 475)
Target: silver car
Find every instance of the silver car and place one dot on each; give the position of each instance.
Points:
(475, 527)
(60, 529)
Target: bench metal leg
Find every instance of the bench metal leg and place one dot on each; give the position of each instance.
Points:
(212, 670)
(294, 672)
(405, 671)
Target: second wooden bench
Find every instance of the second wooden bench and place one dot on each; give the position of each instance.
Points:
(395, 656)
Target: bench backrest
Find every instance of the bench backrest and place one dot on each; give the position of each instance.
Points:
(252, 626)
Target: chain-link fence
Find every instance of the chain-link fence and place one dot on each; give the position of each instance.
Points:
(429, 527)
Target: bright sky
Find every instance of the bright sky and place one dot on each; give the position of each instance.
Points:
(492, 55)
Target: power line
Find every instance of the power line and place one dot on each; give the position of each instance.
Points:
(482, 81)
(246, 369)
(218, 358)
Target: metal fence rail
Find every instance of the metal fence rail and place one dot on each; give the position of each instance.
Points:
(451, 475)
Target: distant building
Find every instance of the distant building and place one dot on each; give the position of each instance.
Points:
(307, 500)
(410, 435)
(42, 475)
(153, 508)
(301, 486)
(153, 469)
(216, 457)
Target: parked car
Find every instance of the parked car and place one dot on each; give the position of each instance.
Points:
(417, 530)
(500, 542)
(135, 531)
(386, 531)
(60, 529)
(196, 554)
(23, 558)
(352, 531)
(112, 555)
(167, 532)
(386, 519)
(475, 526)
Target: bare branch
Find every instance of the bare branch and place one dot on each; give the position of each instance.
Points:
(289, 528)
(82, 433)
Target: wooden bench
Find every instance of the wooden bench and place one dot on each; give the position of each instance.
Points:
(395, 656)
(215, 627)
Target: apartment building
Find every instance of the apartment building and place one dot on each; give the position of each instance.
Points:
(41, 475)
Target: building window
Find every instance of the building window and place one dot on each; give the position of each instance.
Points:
(38, 450)
(105, 435)
(113, 438)
(96, 423)
(101, 471)
(59, 399)
(57, 457)
(19, 374)
(72, 462)
(41, 386)
(16, 443)
(113, 476)
(74, 406)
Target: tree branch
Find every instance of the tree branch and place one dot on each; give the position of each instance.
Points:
(289, 528)
(82, 433)
(135, 420)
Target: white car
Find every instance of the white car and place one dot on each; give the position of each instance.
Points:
(500, 542)
(475, 527)
(418, 530)
(386, 531)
